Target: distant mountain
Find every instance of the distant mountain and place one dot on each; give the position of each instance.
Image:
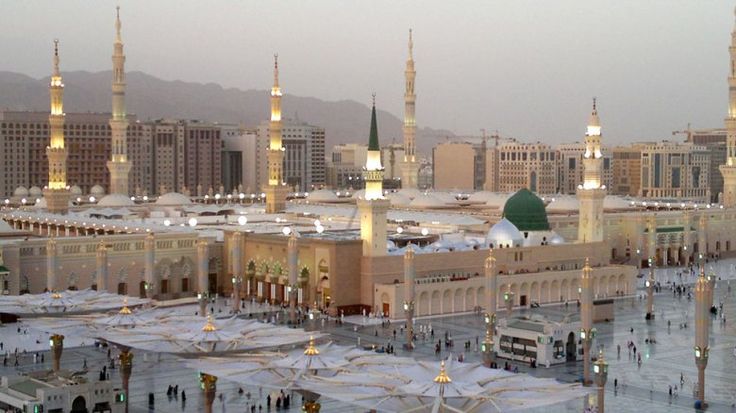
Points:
(151, 98)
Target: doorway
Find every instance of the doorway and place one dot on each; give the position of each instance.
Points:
(522, 301)
(79, 405)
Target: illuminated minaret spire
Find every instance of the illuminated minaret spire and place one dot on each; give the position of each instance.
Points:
(728, 170)
(119, 165)
(410, 166)
(276, 190)
(374, 207)
(591, 193)
(56, 193)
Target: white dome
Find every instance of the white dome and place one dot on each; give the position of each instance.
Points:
(35, 191)
(398, 199)
(504, 234)
(115, 200)
(497, 199)
(322, 195)
(21, 191)
(564, 204)
(482, 196)
(410, 192)
(173, 198)
(556, 240)
(75, 190)
(97, 191)
(615, 202)
(426, 201)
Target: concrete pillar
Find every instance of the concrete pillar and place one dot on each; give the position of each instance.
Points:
(101, 278)
(652, 239)
(149, 256)
(491, 307)
(56, 341)
(202, 275)
(126, 369)
(293, 271)
(409, 295)
(208, 383)
(586, 318)
(51, 258)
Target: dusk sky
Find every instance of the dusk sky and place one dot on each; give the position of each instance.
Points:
(526, 67)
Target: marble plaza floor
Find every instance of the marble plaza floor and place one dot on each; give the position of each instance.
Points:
(640, 389)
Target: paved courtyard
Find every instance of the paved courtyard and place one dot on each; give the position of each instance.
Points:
(644, 388)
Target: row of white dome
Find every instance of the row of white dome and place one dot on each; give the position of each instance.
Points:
(418, 199)
(34, 191)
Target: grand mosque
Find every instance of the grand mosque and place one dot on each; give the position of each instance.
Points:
(343, 254)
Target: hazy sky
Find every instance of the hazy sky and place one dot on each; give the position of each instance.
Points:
(525, 67)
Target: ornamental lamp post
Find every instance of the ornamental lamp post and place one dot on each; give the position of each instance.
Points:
(600, 369)
(508, 298)
(650, 295)
(409, 312)
(587, 332)
(486, 347)
(702, 311)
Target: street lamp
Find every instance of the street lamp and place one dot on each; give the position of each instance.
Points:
(650, 295)
(409, 312)
(600, 369)
(702, 311)
(508, 298)
(486, 346)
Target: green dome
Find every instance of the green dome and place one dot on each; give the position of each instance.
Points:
(526, 211)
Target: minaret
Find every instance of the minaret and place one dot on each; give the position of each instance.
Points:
(119, 165)
(728, 170)
(374, 207)
(410, 166)
(56, 194)
(591, 192)
(276, 190)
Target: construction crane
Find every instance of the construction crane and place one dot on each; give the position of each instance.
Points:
(495, 136)
(687, 132)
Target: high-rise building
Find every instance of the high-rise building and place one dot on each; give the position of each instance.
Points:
(626, 170)
(346, 166)
(454, 166)
(304, 154)
(714, 141)
(671, 170)
(728, 169)
(238, 158)
(119, 165)
(512, 166)
(56, 193)
(591, 191)
(410, 166)
(570, 167)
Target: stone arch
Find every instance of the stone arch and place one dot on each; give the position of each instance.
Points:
(544, 292)
(446, 302)
(622, 285)
(480, 299)
(554, 291)
(469, 299)
(534, 292)
(385, 302)
(436, 303)
(574, 286)
(524, 291)
(515, 290)
(457, 302)
(612, 289)
(423, 307)
(564, 290)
